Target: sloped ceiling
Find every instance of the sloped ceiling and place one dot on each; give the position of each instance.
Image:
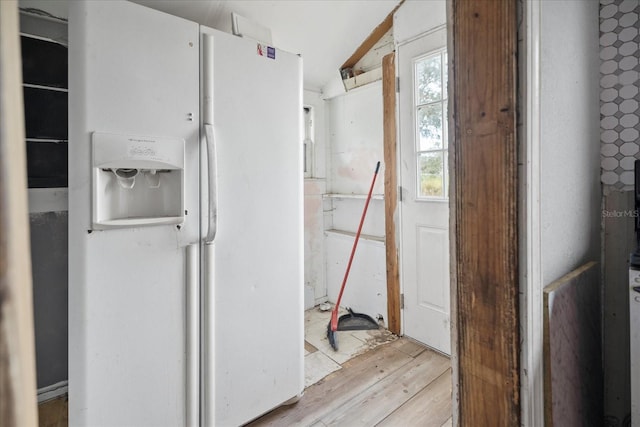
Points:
(325, 32)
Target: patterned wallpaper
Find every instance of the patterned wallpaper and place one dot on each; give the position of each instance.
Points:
(619, 87)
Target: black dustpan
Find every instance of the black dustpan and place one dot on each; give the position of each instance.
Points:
(356, 322)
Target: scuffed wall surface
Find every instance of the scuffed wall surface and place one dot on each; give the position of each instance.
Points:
(355, 135)
(314, 242)
(355, 140)
(366, 287)
(620, 146)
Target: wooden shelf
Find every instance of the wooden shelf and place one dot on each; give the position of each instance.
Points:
(369, 237)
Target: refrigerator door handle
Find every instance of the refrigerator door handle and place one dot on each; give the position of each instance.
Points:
(193, 337)
(212, 187)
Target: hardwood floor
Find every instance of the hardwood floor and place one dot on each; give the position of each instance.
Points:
(54, 413)
(397, 384)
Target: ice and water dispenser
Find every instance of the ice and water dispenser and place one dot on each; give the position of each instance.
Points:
(137, 181)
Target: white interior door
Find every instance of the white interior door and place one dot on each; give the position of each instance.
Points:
(424, 254)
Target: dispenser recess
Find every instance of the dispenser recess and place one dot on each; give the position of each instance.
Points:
(137, 181)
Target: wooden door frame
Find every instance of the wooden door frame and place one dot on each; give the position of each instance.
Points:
(391, 191)
(17, 345)
(484, 206)
(484, 212)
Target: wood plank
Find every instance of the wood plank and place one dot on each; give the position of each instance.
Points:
(573, 378)
(486, 220)
(391, 191)
(17, 353)
(356, 375)
(385, 396)
(310, 347)
(453, 254)
(54, 413)
(409, 346)
(431, 407)
(371, 40)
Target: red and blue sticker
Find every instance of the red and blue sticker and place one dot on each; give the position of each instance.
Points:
(268, 51)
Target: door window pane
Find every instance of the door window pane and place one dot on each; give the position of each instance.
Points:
(430, 127)
(430, 103)
(429, 79)
(431, 174)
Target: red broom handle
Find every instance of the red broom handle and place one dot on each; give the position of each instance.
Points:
(355, 243)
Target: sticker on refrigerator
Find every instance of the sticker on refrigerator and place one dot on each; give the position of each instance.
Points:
(268, 51)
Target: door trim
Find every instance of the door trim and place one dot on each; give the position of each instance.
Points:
(391, 192)
(532, 380)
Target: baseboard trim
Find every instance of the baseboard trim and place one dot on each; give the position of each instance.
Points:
(53, 391)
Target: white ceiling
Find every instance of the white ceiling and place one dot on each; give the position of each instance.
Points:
(325, 32)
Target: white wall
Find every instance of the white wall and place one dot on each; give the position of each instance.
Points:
(415, 17)
(315, 100)
(355, 145)
(570, 161)
(569, 169)
(355, 140)
(314, 188)
(366, 288)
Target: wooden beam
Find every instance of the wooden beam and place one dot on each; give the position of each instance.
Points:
(17, 349)
(486, 220)
(371, 40)
(391, 191)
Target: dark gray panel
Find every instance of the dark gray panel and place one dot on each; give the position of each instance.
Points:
(43, 62)
(47, 164)
(49, 258)
(619, 240)
(45, 114)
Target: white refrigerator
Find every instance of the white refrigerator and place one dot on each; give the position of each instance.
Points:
(185, 221)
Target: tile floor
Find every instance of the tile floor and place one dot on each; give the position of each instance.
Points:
(320, 358)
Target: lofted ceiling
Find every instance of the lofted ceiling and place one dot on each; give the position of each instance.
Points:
(325, 32)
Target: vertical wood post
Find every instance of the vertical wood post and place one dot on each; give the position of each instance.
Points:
(391, 191)
(486, 222)
(17, 349)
